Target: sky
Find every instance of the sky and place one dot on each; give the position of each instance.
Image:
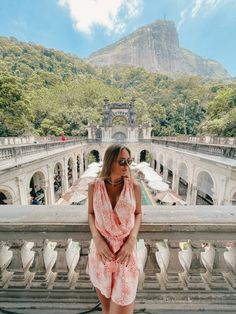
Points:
(80, 27)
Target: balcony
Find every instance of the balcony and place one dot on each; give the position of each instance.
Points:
(186, 254)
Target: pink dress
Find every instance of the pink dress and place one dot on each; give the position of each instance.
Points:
(114, 280)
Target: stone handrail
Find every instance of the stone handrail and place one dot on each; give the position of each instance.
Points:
(25, 140)
(188, 249)
(231, 141)
(20, 151)
(226, 150)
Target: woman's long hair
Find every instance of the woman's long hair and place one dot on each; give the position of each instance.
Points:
(111, 155)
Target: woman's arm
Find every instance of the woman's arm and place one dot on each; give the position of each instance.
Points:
(123, 255)
(138, 212)
(101, 245)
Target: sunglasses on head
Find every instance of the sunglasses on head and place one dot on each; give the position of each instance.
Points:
(124, 162)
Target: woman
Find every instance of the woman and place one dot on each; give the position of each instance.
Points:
(114, 215)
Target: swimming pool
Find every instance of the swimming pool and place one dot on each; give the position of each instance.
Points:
(145, 198)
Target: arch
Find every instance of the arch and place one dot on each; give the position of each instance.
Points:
(58, 170)
(78, 165)
(37, 188)
(160, 159)
(119, 120)
(70, 165)
(119, 136)
(169, 166)
(233, 198)
(93, 156)
(205, 188)
(6, 196)
(183, 180)
(145, 155)
(161, 166)
(183, 171)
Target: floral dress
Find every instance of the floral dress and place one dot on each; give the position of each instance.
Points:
(114, 280)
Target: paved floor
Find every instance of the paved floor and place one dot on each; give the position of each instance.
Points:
(39, 311)
(139, 310)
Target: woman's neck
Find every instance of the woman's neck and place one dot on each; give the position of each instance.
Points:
(115, 178)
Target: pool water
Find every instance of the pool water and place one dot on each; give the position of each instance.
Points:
(145, 198)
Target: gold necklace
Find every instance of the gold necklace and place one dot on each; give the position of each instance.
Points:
(113, 183)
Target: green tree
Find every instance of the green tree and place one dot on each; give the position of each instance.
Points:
(14, 113)
(221, 114)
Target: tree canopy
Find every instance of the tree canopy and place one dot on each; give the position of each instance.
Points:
(45, 91)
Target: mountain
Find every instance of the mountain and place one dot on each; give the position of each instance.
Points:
(155, 47)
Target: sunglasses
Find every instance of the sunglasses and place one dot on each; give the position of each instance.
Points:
(124, 162)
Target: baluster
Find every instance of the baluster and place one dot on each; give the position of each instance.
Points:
(207, 259)
(72, 258)
(49, 257)
(162, 258)
(5, 260)
(151, 268)
(194, 278)
(27, 257)
(142, 258)
(185, 259)
(230, 259)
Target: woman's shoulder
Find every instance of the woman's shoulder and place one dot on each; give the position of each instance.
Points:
(95, 181)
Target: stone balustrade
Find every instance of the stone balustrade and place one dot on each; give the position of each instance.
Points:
(186, 254)
(214, 140)
(18, 152)
(225, 148)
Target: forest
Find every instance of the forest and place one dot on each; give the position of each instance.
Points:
(48, 92)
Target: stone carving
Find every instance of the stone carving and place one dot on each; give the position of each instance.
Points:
(49, 257)
(72, 258)
(27, 257)
(162, 258)
(185, 259)
(207, 259)
(142, 258)
(5, 260)
(230, 259)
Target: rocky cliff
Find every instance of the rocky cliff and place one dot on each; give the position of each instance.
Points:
(155, 47)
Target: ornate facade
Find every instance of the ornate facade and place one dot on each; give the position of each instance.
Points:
(119, 124)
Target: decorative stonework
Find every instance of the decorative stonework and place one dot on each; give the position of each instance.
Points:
(125, 131)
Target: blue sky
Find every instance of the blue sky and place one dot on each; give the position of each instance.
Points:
(206, 27)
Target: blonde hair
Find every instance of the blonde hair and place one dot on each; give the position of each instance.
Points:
(111, 155)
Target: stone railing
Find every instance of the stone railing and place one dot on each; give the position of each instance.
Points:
(186, 255)
(226, 150)
(24, 140)
(231, 141)
(18, 152)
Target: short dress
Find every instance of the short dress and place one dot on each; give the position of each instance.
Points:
(114, 280)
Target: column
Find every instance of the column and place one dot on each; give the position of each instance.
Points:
(46, 191)
(86, 162)
(175, 183)
(194, 195)
(189, 192)
(81, 163)
(65, 185)
(50, 183)
(76, 172)
(24, 192)
(165, 173)
(74, 169)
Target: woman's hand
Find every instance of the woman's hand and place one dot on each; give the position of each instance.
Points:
(103, 249)
(123, 255)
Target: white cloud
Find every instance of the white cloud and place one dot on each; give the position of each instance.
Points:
(113, 15)
(206, 5)
(199, 7)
